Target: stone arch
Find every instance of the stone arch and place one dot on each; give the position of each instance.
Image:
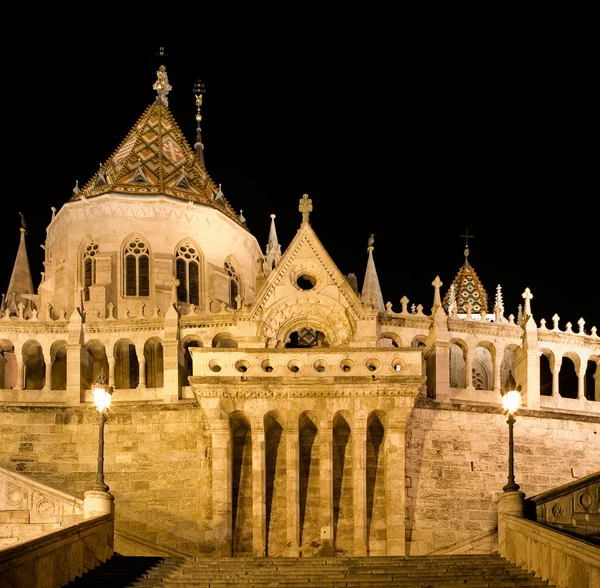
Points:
(419, 341)
(241, 483)
(592, 378)
(568, 380)
(483, 366)
(389, 339)
(136, 262)
(8, 365)
(86, 264)
(322, 315)
(153, 353)
(58, 353)
(309, 526)
(224, 340)
(34, 365)
(186, 365)
(547, 365)
(235, 278)
(127, 368)
(275, 484)
(343, 487)
(375, 484)
(458, 351)
(189, 270)
(509, 361)
(97, 362)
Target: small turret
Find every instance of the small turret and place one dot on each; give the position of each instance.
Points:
(273, 249)
(20, 283)
(371, 291)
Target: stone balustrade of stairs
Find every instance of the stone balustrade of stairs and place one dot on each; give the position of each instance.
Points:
(444, 571)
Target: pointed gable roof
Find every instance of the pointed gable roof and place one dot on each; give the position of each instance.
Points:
(155, 158)
(371, 291)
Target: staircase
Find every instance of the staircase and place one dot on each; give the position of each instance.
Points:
(442, 571)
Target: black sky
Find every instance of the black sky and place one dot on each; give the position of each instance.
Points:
(410, 143)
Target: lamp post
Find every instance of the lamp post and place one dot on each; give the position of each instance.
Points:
(102, 395)
(511, 400)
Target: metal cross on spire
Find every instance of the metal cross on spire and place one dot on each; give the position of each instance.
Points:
(466, 237)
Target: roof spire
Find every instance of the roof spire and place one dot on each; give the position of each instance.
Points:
(273, 249)
(371, 291)
(199, 89)
(20, 280)
(466, 237)
(162, 85)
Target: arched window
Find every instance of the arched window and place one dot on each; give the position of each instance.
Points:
(188, 273)
(137, 268)
(89, 268)
(234, 283)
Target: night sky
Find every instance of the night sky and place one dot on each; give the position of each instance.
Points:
(415, 146)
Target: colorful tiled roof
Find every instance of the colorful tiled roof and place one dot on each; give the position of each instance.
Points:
(155, 158)
(467, 289)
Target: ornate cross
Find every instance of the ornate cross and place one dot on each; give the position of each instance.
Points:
(466, 237)
(305, 207)
(527, 295)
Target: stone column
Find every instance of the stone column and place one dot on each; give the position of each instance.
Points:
(48, 375)
(326, 488)
(142, 367)
(555, 374)
(497, 372)
(259, 503)
(292, 471)
(20, 372)
(509, 503)
(597, 383)
(581, 383)
(76, 356)
(359, 485)
(221, 487)
(395, 486)
(469, 354)
(111, 370)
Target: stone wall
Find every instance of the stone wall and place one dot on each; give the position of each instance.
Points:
(457, 465)
(158, 464)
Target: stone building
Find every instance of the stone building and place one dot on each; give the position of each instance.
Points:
(262, 404)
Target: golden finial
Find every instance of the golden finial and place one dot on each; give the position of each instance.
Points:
(162, 85)
(199, 89)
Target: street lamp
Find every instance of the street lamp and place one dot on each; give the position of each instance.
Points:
(511, 400)
(102, 394)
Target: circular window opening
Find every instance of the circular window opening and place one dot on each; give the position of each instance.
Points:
(398, 365)
(242, 365)
(373, 364)
(294, 365)
(320, 366)
(215, 366)
(346, 365)
(267, 366)
(306, 282)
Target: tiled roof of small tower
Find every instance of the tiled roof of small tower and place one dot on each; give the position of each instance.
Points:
(466, 288)
(155, 158)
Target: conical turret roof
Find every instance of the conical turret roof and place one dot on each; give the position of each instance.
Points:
(20, 279)
(466, 289)
(155, 158)
(371, 290)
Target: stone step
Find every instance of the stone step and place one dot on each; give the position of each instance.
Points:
(478, 571)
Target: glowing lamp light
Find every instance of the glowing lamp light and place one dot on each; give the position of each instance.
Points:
(511, 395)
(102, 393)
(511, 401)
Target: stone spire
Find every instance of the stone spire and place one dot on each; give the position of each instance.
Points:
(20, 280)
(371, 291)
(273, 250)
(199, 89)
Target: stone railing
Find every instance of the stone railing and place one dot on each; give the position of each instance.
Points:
(573, 508)
(554, 556)
(54, 559)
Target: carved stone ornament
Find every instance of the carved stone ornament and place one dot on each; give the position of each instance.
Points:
(14, 495)
(558, 510)
(45, 508)
(284, 318)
